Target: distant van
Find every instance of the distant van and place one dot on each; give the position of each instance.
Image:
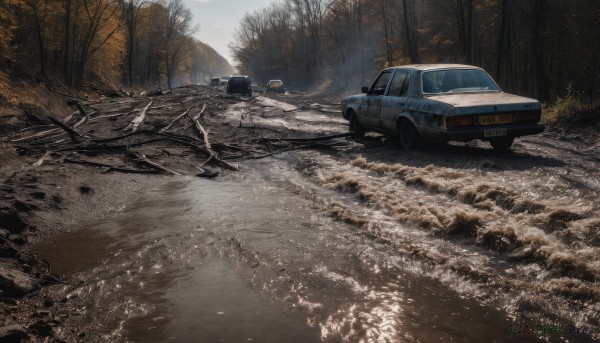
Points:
(239, 84)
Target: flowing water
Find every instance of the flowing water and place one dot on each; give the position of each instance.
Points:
(362, 245)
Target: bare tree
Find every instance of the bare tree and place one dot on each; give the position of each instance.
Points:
(132, 16)
(177, 21)
(410, 36)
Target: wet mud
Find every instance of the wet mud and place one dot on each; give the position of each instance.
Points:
(355, 241)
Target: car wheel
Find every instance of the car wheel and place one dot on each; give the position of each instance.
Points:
(502, 143)
(409, 137)
(356, 130)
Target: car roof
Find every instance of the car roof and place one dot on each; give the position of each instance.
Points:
(274, 80)
(437, 66)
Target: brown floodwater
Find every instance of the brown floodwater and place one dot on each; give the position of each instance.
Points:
(250, 259)
(364, 244)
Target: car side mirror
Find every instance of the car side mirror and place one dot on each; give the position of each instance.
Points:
(365, 89)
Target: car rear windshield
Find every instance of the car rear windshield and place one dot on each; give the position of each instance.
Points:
(457, 81)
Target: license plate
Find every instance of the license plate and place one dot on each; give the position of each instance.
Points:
(494, 132)
(496, 119)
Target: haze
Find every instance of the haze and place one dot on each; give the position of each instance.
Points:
(219, 18)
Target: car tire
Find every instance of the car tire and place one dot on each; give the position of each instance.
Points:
(502, 143)
(356, 130)
(409, 137)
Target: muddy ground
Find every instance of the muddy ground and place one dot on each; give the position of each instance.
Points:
(56, 181)
(517, 232)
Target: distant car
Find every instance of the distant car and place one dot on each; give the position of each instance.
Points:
(215, 81)
(239, 84)
(438, 103)
(275, 86)
(224, 80)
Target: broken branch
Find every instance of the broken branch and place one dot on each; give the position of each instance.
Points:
(141, 158)
(110, 168)
(200, 129)
(174, 120)
(139, 118)
(71, 133)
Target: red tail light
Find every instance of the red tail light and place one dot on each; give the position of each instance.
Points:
(528, 116)
(459, 121)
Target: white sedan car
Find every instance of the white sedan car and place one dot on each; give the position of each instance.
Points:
(441, 102)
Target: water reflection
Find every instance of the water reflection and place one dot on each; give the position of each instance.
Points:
(240, 260)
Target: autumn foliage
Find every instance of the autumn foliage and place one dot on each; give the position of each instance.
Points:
(106, 43)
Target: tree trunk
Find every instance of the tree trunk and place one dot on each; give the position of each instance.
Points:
(409, 31)
(503, 39)
(67, 43)
(540, 9)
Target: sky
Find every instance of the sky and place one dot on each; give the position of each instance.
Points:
(218, 19)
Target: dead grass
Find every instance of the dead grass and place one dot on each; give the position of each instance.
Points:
(571, 109)
(35, 96)
(574, 116)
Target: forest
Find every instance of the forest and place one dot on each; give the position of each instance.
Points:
(545, 49)
(105, 43)
(539, 48)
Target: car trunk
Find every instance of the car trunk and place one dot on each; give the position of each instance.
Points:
(476, 103)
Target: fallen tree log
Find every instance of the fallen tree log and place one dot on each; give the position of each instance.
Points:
(210, 153)
(71, 132)
(133, 126)
(200, 129)
(109, 167)
(96, 119)
(32, 117)
(312, 139)
(37, 135)
(145, 132)
(82, 111)
(174, 120)
(141, 158)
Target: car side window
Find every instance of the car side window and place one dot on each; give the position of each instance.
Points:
(381, 84)
(405, 84)
(396, 86)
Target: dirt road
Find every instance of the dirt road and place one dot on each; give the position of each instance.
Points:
(317, 240)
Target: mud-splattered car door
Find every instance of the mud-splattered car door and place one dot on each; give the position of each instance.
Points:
(372, 104)
(395, 100)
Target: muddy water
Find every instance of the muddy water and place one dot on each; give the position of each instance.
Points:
(364, 244)
(254, 259)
